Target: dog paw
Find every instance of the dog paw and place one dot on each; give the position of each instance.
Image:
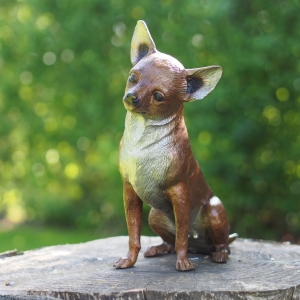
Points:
(221, 255)
(158, 250)
(123, 263)
(184, 265)
(152, 251)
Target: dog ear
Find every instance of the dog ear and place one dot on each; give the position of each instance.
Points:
(201, 81)
(142, 43)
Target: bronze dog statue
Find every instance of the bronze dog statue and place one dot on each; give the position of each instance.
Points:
(156, 161)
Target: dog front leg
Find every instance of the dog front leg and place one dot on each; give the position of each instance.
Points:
(133, 211)
(179, 196)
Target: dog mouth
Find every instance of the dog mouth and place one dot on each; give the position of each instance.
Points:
(134, 108)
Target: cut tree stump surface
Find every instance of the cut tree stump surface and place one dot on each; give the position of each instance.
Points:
(255, 270)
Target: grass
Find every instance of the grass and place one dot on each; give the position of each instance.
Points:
(29, 237)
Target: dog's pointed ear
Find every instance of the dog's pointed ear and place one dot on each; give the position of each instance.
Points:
(201, 81)
(142, 43)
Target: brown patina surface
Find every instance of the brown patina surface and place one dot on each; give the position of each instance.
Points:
(156, 161)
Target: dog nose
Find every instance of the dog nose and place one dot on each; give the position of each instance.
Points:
(131, 98)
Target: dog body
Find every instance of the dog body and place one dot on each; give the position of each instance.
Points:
(156, 161)
(151, 174)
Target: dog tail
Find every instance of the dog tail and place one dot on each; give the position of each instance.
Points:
(232, 237)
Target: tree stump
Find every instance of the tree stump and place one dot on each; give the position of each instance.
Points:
(255, 270)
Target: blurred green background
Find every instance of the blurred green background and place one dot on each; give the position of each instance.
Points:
(64, 66)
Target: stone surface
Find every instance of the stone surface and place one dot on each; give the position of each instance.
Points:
(255, 270)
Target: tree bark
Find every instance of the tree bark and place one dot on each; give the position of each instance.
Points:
(255, 270)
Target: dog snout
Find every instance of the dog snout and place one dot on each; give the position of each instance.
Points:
(131, 99)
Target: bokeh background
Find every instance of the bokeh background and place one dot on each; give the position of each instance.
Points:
(64, 66)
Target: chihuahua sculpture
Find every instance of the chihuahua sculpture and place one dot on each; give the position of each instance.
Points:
(156, 161)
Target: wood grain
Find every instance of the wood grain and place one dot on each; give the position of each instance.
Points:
(255, 270)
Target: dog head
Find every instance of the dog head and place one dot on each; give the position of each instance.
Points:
(158, 84)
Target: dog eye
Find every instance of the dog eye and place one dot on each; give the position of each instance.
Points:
(158, 97)
(132, 78)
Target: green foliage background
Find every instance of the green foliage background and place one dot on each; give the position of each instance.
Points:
(64, 66)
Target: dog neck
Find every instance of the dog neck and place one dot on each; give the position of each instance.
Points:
(142, 131)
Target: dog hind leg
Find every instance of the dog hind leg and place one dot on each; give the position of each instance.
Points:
(165, 228)
(217, 228)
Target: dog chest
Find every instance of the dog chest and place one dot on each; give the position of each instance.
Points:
(145, 157)
(146, 170)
